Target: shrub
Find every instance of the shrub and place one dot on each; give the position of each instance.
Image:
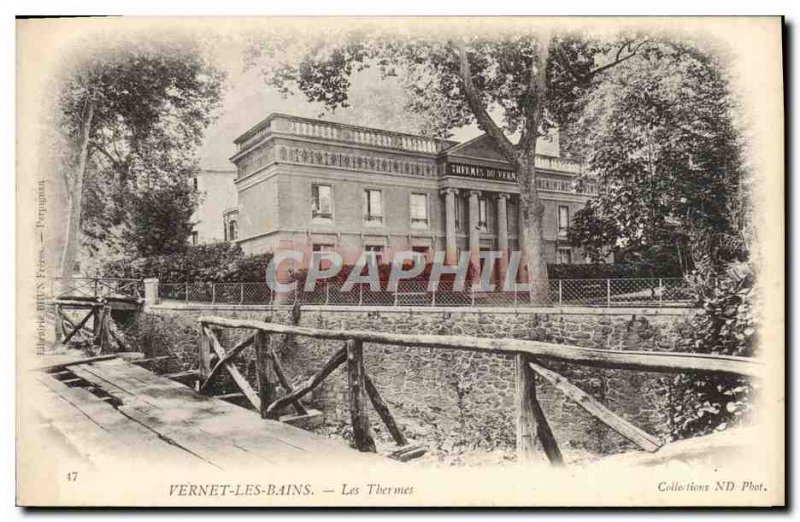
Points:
(214, 262)
(724, 326)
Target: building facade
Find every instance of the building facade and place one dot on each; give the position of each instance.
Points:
(313, 185)
(216, 218)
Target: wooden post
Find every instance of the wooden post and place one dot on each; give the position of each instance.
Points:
(204, 353)
(99, 326)
(59, 324)
(264, 371)
(362, 435)
(526, 421)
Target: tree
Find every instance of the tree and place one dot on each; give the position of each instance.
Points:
(133, 114)
(534, 79)
(659, 134)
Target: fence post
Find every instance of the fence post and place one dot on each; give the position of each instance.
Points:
(660, 292)
(96, 286)
(187, 292)
(213, 293)
(515, 295)
(150, 291)
(362, 435)
(327, 292)
(241, 292)
(433, 297)
(560, 293)
(472, 291)
(360, 294)
(608, 293)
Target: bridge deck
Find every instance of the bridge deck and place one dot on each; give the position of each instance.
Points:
(104, 410)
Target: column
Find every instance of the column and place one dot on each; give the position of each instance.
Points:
(474, 232)
(502, 234)
(451, 249)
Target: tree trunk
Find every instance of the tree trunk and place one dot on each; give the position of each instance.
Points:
(531, 235)
(76, 197)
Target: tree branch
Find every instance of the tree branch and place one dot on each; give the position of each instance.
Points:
(485, 122)
(114, 161)
(619, 59)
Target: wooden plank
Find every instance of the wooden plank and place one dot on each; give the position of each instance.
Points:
(674, 362)
(545, 434)
(331, 364)
(127, 432)
(237, 377)
(267, 392)
(383, 412)
(50, 366)
(229, 355)
(362, 435)
(278, 367)
(641, 438)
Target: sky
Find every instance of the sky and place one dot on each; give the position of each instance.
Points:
(248, 100)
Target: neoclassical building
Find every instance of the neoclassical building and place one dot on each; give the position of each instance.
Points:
(313, 185)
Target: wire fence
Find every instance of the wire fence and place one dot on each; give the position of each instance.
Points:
(655, 292)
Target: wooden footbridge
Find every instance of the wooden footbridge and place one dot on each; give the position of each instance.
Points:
(105, 403)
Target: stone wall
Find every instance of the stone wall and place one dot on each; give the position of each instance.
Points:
(461, 401)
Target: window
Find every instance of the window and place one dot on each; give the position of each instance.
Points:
(563, 220)
(373, 207)
(420, 255)
(564, 256)
(376, 251)
(419, 211)
(322, 203)
(482, 214)
(230, 225)
(324, 264)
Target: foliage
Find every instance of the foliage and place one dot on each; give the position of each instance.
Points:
(725, 325)
(151, 102)
(214, 262)
(660, 136)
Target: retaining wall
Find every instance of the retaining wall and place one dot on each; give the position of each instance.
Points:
(460, 401)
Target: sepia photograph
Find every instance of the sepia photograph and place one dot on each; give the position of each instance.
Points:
(400, 261)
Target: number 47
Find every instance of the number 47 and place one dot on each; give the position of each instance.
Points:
(72, 476)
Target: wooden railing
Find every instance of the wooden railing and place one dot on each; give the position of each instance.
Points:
(530, 356)
(96, 287)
